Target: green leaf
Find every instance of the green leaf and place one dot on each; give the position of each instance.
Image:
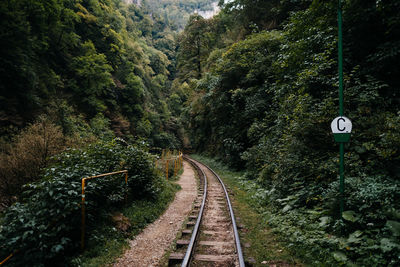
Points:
(286, 208)
(360, 149)
(394, 227)
(355, 237)
(388, 245)
(350, 215)
(325, 221)
(339, 256)
(57, 248)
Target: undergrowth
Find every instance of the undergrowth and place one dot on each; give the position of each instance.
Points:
(313, 235)
(43, 228)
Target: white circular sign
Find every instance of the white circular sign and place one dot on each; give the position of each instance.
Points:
(341, 125)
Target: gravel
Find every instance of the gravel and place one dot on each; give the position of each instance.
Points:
(148, 247)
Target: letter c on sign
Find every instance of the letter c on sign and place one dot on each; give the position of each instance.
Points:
(338, 125)
(341, 125)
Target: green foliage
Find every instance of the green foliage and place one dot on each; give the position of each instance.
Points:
(259, 15)
(232, 101)
(93, 74)
(45, 226)
(193, 50)
(93, 56)
(166, 140)
(308, 232)
(177, 12)
(266, 102)
(100, 127)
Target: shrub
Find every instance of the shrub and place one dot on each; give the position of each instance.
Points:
(371, 197)
(45, 226)
(21, 163)
(165, 139)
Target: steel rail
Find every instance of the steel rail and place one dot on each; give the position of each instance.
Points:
(193, 238)
(235, 231)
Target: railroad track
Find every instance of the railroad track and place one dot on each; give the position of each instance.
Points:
(211, 237)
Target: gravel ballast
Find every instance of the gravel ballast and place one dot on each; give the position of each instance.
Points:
(148, 247)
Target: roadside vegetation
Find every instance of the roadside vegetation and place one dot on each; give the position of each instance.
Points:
(264, 89)
(75, 75)
(276, 234)
(44, 225)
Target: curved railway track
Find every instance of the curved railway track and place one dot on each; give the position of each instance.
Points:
(211, 237)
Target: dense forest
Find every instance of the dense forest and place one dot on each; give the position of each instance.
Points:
(263, 77)
(256, 87)
(75, 75)
(87, 67)
(120, 54)
(177, 12)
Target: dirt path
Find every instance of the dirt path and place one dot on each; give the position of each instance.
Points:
(148, 247)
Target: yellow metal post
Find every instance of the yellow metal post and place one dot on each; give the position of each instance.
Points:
(175, 165)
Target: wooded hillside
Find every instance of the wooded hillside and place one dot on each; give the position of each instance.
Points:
(177, 12)
(264, 83)
(95, 59)
(255, 87)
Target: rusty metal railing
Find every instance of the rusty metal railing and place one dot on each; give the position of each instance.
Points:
(167, 156)
(9, 257)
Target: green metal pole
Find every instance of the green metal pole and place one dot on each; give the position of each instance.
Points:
(340, 51)
(341, 173)
(340, 48)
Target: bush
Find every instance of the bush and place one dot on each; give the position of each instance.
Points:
(165, 139)
(372, 197)
(45, 226)
(22, 161)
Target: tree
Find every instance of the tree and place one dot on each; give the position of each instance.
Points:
(194, 47)
(256, 15)
(94, 77)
